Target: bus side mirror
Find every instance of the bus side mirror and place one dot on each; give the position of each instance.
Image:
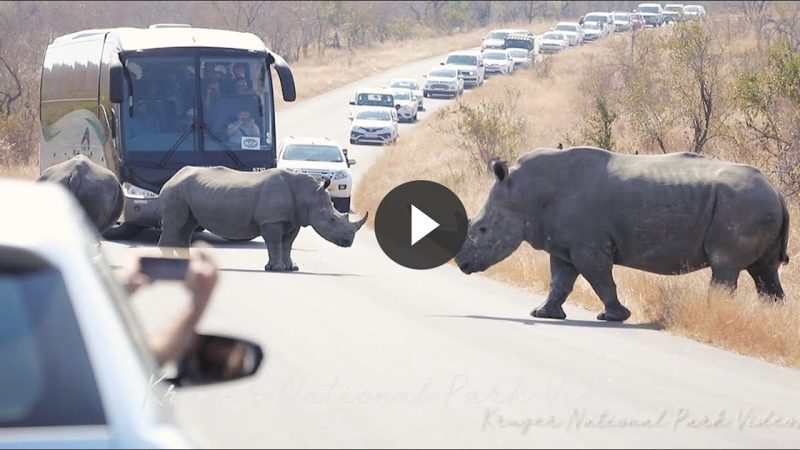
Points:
(116, 92)
(286, 77)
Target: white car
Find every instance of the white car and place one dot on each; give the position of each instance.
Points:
(603, 18)
(76, 372)
(572, 30)
(622, 22)
(593, 31)
(553, 42)
(320, 157)
(372, 97)
(406, 104)
(673, 12)
(469, 65)
(521, 57)
(496, 39)
(498, 61)
(691, 12)
(653, 14)
(443, 81)
(375, 125)
(409, 83)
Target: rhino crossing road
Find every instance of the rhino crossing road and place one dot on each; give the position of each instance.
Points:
(362, 352)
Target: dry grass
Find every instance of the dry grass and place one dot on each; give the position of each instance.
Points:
(679, 304)
(318, 74)
(29, 172)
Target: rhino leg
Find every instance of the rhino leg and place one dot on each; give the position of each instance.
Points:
(288, 242)
(273, 237)
(725, 277)
(178, 235)
(597, 267)
(562, 279)
(767, 281)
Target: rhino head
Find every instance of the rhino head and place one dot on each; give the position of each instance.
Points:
(329, 223)
(498, 230)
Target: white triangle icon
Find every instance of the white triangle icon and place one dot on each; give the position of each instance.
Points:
(421, 225)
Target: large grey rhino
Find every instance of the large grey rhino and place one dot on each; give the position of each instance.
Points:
(238, 205)
(95, 187)
(668, 214)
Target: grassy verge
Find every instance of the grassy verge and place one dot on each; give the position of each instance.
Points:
(549, 96)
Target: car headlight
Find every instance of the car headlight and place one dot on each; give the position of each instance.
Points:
(132, 191)
(357, 130)
(340, 175)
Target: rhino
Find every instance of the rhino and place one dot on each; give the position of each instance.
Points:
(238, 205)
(96, 188)
(590, 209)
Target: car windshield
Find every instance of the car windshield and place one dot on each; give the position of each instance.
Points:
(464, 60)
(594, 18)
(591, 26)
(649, 9)
(621, 17)
(375, 100)
(318, 153)
(691, 9)
(519, 53)
(672, 8)
(443, 73)
(405, 84)
(498, 35)
(554, 36)
(374, 115)
(566, 28)
(495, 55)
(402, 95)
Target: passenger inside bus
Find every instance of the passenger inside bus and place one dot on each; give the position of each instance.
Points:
(245, 126)
(143, 121)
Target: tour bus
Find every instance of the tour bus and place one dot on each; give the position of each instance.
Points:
(147, 102)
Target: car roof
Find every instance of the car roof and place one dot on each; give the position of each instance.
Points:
(375, 91)
(509, 30)
(309, 140)
(465, 53)
(603, 13)
(567, 23)
(33, 228)
(650, 4)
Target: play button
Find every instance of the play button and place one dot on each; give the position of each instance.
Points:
(421, 224)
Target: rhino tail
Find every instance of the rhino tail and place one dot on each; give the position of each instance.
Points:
(784, 233)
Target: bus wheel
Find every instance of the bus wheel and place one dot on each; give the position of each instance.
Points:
(122, 231)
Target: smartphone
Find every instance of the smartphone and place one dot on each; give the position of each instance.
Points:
(164, 268)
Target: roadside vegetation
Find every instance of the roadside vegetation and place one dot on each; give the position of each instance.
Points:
(725, 88)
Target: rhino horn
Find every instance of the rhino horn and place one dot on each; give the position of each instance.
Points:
(361, 222)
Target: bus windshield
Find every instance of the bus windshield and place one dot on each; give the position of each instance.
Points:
(170, 107)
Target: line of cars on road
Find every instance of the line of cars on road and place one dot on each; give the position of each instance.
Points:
(598, 25)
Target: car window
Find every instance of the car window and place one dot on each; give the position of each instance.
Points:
(319, 153)
(556, 36)
(565, 27)
(465, 60)
(495, 55)
(405, 84)
(519, 53)
(402, 96)
(375, 100)
(46, 378)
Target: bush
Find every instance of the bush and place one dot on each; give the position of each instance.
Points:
(490, 129)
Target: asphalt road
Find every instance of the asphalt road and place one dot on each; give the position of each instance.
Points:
(365, 353)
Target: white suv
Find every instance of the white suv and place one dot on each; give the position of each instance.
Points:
(469, 65)
(320, 157)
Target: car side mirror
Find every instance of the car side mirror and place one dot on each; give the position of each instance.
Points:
(351, 162)
(214, 359)
(353, 103)
(424, 75)
(441, 63)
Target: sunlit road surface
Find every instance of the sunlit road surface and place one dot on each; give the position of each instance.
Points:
(364, 353)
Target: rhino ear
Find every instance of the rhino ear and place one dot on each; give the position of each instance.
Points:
(500, 169)
(325, 182)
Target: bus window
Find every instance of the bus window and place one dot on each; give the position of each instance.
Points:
(163, 104)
